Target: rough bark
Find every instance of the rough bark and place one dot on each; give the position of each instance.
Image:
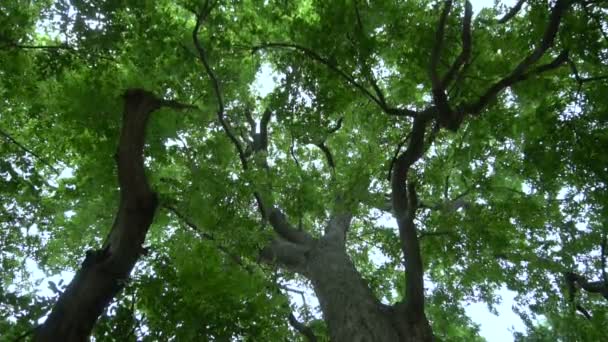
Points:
(350, 308)
(104, 272)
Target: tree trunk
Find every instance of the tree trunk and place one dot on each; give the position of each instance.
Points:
(104, 272)
(350, 308)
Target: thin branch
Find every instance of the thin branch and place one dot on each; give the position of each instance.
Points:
(512, 12)
(365, 66)
(200, 17)
(603, 257)
(439, 96)
(293, 153)
(27, 150)
(194, 227)
(583, 311)
(437, 233)
(519, 73)
(395, 155)
(465, 54)
(332, 66)
(328, 155)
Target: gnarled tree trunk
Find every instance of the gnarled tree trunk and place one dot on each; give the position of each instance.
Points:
(104, 272)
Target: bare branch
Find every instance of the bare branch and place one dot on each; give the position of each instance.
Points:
(406, 159)
(446, 117)
(275, 216)
(583, 311)
(337, 126)
(368, 71)
(395, 155)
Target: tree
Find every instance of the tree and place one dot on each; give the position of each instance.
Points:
(412, 157)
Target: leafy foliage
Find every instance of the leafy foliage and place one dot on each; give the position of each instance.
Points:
(516, 197)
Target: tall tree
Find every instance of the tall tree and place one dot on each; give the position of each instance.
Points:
(412, 157)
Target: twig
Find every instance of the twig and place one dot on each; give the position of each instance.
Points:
(21, 146)
(200, 17)
(332, 66)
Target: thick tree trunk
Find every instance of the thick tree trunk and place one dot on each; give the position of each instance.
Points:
(350, 308)
(104, 272)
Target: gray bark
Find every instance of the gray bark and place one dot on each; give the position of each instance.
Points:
(352, 311)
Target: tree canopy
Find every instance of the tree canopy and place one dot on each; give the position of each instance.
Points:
(206, 168)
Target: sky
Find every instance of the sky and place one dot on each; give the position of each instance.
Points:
(495, 328)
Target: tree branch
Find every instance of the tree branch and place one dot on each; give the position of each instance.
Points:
(519, 73)
(27, 150)
(237, 259)
(512, 12)
(465, 54)
(289, 254)
(302, 328)
(440, 98)
(600, 287)
(405, 204)
(282, 227)
(332, 66)
(603, 257)
(202, 56)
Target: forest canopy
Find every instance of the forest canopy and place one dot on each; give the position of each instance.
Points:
(350, 170)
